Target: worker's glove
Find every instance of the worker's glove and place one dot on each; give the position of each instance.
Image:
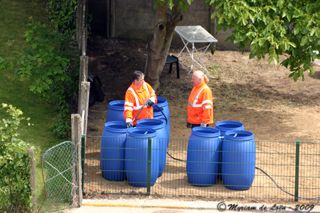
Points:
(203, 125)
(150, 103)
(129, 124)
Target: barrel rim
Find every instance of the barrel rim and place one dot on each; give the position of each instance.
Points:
(247, 135)
(108, 126)
(218, 123)
(115, 105)
(205, 132)
(133, 132)
(141, 123)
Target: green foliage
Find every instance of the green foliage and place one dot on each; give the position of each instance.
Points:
(49, 62)
(46, 61)
(2, 63)
(15, 191)
(289, 28)
(62, 15)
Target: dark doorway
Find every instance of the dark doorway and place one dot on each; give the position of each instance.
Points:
(99, 17)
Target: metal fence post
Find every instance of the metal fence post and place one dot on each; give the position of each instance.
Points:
(149, 167)
(296, 182)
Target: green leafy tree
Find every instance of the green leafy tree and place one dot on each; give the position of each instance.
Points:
(275, 27)
(269, 27)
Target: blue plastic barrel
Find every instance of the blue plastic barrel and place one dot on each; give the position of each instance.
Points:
(227, 125)
(238, 160)
(112, 150)
(136, 154)
(163, 106)
(203, 156)
(115, 111)
(161, 137)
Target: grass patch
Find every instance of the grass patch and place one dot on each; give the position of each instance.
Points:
(14, 16)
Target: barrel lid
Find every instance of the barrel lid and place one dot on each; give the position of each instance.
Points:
(239, 136)
(116, 105)
(116, 126)
(141, 132)
(151, 123)
(209, 132)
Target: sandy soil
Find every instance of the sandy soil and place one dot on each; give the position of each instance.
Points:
(276, 109)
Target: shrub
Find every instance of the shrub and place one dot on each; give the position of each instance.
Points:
(15, 189)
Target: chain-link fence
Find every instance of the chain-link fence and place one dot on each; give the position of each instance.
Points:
(283, 171)
(60, 177)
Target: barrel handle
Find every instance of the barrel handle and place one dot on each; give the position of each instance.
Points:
(222, 137)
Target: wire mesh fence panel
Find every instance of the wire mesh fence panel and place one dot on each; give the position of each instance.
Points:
(60, 176)
(309, 170)
(266, 172)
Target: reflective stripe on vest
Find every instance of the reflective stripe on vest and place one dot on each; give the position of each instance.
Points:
(128, 108)
(195, 105)
(127, 103)
(136, 97)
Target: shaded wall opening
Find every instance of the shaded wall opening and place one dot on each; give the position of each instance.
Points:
(99, 17)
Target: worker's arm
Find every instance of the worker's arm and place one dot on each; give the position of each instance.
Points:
(128, 106)
(153, 96)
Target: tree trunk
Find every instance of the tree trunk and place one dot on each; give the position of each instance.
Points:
(159, 46)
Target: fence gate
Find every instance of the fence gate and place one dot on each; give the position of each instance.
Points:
(60, 177)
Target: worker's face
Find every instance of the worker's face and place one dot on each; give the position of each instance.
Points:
(196, 81)
(139, 82)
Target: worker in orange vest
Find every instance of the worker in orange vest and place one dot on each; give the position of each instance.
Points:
(139, 99)
(200, 102)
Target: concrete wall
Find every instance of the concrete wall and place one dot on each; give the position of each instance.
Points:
(132, 19)
(135, 19)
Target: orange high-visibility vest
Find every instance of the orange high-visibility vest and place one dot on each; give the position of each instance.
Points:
(135, 98)
(200, 105)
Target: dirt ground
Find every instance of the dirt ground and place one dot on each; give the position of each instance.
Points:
(276, 109)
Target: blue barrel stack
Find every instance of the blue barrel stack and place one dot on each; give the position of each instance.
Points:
(227, 149)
